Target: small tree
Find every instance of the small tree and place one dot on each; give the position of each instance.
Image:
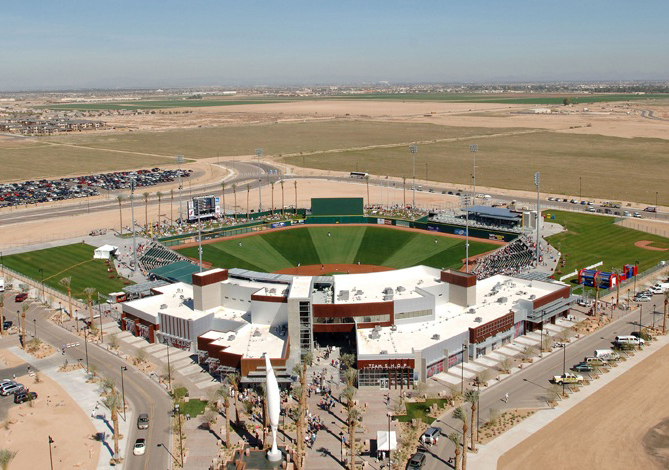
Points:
(460, 414)
(140, 356)
(528, 352)
(146, 211)
(120, 199)
(67, 282)
(456, 439)
(89, 292)
(224, 391)
(113, 341)
(493, 416)
(472, 397)
(483, 376)
(6, 457)
(547, 343)
(112, 401)
(505, 365)
(566, 101)
(168, 373)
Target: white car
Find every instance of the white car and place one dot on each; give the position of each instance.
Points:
(140, 447)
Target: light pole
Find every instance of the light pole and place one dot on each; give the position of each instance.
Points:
(123, 369)
(541, 354)
(180, 160)
(196, 209)
(35, 325)
(580, 192)
(259, 154)
(413, 148)
(389, 416)
(654, 316)
(168, 451)
(341, 446)
(473, 148)
(640, 311)
(42, 273)
(181, 444)
(462, 383)
(564, 364)
(134, 239)
(169, 370)
(86, 347)
(537, 184)
(51, 441)
(656, 204)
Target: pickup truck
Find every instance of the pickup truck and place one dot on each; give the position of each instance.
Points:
(568, 378)
(583, 367)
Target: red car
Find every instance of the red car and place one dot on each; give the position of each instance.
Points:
(20, 297)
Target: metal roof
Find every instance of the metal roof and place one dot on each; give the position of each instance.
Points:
(143, 287)
(495, 212)
(181, 271)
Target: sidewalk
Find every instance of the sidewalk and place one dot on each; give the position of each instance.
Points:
(87, 395)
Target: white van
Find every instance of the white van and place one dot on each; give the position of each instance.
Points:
(2, 285)
(629, 340)
(606, 354)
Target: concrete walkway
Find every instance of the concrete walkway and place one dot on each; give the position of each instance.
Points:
(87, 395)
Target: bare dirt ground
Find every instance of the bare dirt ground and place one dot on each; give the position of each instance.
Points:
(616, 428)
(656, 227)
(647, 245)
(329, 269)
(54, 414)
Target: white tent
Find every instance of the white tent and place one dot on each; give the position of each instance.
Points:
(104, 252)
(382, 441)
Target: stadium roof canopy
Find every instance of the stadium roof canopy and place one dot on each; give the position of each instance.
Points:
(495, 212)
(181, 271)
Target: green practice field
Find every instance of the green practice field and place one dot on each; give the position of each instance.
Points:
(75, 261)
(273, 251)
(591, 238)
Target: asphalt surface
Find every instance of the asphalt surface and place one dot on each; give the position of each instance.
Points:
(144, 394)
(252, 173)
(529, 388)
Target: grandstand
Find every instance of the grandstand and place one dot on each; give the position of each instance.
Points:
(154, 255)
(511, 259)
(446, 218)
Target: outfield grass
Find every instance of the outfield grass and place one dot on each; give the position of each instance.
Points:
(75, 261)
(591, 238)
(379, 246)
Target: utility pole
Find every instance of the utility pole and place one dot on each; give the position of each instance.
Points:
(180, 160)
(473, 149)
(413, 148)
(537, 184)
(259, 154)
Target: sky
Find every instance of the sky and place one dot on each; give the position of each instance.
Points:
(146, 43)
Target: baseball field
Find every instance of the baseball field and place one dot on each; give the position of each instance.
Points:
(74, 261)
(593, 238)
(379, 246)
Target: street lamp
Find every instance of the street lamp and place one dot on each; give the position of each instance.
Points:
(654, 316)
(181, 447)
(462, 384)
(537, 184)
(35, 325)
(132, 208)
(86, 348)
(473, 149)
(564, 365)
(259, 154)
(168, 451)
(42, 273)
(169, 371)
(123, 369)
(341, 446)
(413, 148)
(640, 310)
(389, 416)
(51, 441)
(655, 205)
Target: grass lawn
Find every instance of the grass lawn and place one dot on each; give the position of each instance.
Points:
(381, 246)
(75, 261)
(193, 407)
(593, 238)
(420, 410)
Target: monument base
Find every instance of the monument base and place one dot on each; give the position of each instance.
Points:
(274, 456)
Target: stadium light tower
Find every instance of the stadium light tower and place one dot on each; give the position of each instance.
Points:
(473, 149)
(259, 154)
(198, 211)
(180, 160)
(536, 183)
(134, 239)
(413, 148)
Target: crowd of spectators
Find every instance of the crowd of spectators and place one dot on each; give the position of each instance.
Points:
(396, 212)
(33, 192)
(514, 258)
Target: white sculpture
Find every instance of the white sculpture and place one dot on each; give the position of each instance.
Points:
(273, 405)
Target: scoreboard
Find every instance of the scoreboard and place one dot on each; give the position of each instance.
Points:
(203, 207)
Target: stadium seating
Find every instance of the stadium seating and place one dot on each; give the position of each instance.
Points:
(510, 259)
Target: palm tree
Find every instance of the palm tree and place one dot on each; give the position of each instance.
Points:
(283, 206)
(2, 319)
(301, 371)
(454, 437)
(367, 182)
(233, 379)
(146, 210)
(350, 375)
(234, 192)
(159, 194)
(404, 189)
(272, 185)
(120, 198)
(295, 182)
(89, 292)
(112, 401)
(224, 391)
(6, 456)
(472, 397)
(354, 416)
(248, 191)
(664, 317)
(171, 202)
(223, 196)
(461, 414)
(67, 282)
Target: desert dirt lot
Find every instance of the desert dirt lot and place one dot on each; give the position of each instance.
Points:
(54, 414)
(612, 429)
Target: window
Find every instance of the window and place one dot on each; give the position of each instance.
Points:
(414, 314)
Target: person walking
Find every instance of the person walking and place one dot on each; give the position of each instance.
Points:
(506, 398)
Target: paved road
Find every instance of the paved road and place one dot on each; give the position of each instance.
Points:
(528, 388)
(144, 394)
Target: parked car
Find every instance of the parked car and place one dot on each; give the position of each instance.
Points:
(568, 378)
(431, 435)
(629, 340)
(143, 421)
(6, 324)
(10, 388)
(23, 397)
(650, 209)
(140, 446)
(637, 215)
(20, 297)
(416, 461)
(582, 367)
